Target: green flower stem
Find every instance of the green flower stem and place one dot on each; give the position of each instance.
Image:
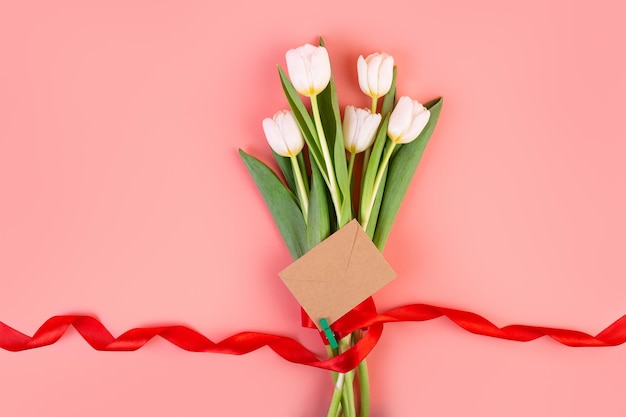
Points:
(302, 192)
(351, 167)
(364, 381)
(331, 353)
(374, 104)
(332, 182)
(333, 410)
(379, 177)
(368, 151)
(366, 158)
(348, 396)
(364, 387)
(348, 386)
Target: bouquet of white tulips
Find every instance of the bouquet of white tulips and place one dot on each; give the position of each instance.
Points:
(317, 151)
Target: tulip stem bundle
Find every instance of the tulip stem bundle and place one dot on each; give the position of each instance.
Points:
(313, 199)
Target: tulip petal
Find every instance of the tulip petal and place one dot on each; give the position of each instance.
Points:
(373, 67)
(416, 127)
(349, 128)
(319, 69)
(359, 128)
(385, 75)
(297, 69)
(400, 118)
(291, 133)
(369, 127)
(361, 67)
(274, 137)
(283, 134)
(309, 69)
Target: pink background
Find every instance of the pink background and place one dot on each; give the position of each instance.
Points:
(122, 195)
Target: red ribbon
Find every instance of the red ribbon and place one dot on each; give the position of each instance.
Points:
(362, 317)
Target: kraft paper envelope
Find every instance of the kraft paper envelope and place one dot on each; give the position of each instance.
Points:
(338, 274)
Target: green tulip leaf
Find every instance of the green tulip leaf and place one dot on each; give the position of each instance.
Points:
(341, 171)
(302, 165)
(369, 177)
(402, 166)
(282, 204)
(284, 164)
(327, 114)
(373, 219)
(318, 226)
(331, 120)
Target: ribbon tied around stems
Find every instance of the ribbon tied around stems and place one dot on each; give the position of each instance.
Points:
(363, 316)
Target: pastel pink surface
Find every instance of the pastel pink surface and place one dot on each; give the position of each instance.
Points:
(122, 195)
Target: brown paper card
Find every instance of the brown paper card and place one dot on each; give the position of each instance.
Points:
(338, 274)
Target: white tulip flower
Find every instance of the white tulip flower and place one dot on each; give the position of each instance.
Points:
(359, 128)
(283, 134)
(375, 74)
(407, 120)
(309, 69)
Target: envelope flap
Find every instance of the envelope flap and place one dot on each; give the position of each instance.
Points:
(327, 261)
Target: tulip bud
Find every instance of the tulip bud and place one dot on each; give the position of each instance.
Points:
(375, 74)
(407, 120)
(283, 134)
(309, 69)
(359, 128)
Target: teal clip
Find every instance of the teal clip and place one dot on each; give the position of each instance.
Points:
(330, 336)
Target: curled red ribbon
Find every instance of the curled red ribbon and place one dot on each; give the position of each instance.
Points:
(362, 317)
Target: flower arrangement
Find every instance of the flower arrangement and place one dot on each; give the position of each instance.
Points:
(318, 151)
